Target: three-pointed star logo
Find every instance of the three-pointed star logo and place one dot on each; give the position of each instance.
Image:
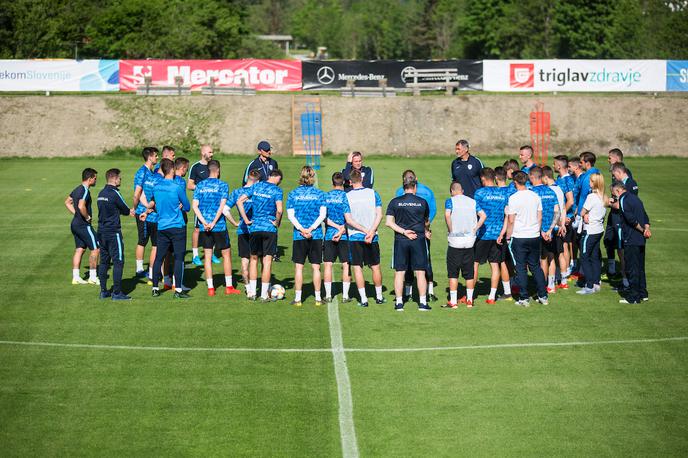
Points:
(325, 75)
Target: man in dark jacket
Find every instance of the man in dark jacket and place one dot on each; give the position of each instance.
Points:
(635, 229)
(110, 206)
(466, 169)
(355, 162)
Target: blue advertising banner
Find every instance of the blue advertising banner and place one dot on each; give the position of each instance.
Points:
(677, 75)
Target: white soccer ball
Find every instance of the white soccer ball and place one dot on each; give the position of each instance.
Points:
(277, 292)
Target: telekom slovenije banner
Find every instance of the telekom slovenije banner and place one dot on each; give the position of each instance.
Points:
(58, 75)
(262, 75)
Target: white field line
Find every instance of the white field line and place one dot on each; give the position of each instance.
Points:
(344, 350)
(347, 430)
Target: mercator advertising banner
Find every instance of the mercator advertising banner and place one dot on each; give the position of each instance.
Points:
(59, 75)
(677, 75)
(331, 74)
(574, 75)
(259, 74)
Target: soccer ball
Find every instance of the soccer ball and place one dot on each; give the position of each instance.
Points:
(277, 292)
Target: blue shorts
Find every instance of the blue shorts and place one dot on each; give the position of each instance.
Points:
(411, 254)
(84, 237)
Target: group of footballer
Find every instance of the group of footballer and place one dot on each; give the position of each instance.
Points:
(518, 217)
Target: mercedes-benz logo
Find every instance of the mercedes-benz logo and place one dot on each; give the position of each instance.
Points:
(325, 75)
(403, 72)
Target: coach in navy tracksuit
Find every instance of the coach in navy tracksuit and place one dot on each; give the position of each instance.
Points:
(466, 169)
(635, 228)
(264, 163)
(110, 206)
(355, 162)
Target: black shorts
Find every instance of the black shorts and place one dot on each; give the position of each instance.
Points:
(547, 248)
(460, 261)
(568, 238)
(311, 249)
(215, 239)
(84, 237)
(147, 231)
(244, 245)
(487, 251)
(364, 254)
(411, 254)
(333, 250)
(263, 243)
(503, 251)
(613, 238)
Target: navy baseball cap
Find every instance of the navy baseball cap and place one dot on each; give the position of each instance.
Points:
(264, 146)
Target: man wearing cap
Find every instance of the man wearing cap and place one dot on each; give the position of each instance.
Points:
(264, 163)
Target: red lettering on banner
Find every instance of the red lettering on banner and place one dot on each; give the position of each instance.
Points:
(260, 74)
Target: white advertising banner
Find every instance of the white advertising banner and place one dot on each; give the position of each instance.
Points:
(574, 75)
(59, 75)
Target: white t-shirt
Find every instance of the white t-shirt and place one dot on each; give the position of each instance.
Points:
(463, 220)
(596, 211)
(525, 205)
(560, 199)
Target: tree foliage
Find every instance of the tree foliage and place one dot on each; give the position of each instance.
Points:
(350, 29)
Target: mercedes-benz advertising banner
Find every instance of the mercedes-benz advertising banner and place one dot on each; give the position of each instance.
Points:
(328, 74)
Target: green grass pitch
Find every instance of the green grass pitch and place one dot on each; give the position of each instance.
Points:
(578, 400)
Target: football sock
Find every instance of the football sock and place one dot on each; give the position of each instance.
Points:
(423, 300)
(195, 252)
(328, 289)
(507, 287)
(253, 285)
(399, 300)
(493, 293)
(228, 280)
(75, 274)
(139, 265)
(150, 272)
(209, 281)
(625, 282)
(167, 280)
(408, 289)
(469, 294)
(550, 281)
(431, 288)
(297, 295)
(317, 296)
(378, 292)
(362, 294)
(452, 297)
(345, 289)
(92, 275)
(264, 288)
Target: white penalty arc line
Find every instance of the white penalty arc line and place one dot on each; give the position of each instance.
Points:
(347, 430)
(344, 350)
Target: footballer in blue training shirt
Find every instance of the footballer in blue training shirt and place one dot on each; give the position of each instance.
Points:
(306, 209)
(209, 199)
(197, 173)
(506, 266)
(336, 239)
(525, 154)
(243, 236)
(490, 201)
(566, 183)
(170, 202)
(150, 217)
(266, 204)
(78, 202)
(150, 158)
(167, 153)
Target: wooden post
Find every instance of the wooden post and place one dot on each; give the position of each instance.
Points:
(179, 81)
(147, 80)
(351, 85)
